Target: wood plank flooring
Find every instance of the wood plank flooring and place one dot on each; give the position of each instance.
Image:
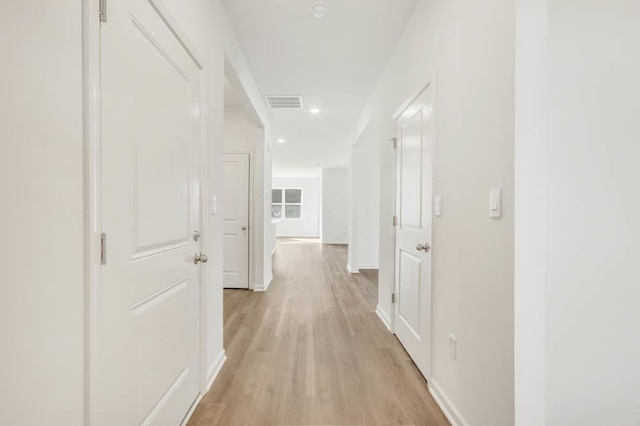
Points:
(311, 351)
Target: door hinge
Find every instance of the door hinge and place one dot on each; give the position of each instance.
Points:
(393, 298)
(103, 248)
(103, 10)
(395, 221)
(394, 142)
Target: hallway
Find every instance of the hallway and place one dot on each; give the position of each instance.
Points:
(312, 351)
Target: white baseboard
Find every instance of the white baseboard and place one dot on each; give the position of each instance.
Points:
(383, 317)
(360, 267)
(215, 369)
(263, 287)
(352, 270)
(192, 410)
(211, 377)
(447, 407)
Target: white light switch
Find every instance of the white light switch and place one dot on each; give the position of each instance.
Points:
(495, 203)
(214, 205)
(438, 205)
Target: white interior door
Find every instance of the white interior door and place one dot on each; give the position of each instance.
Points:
(236, 220)
(414, 152)
(148, 313)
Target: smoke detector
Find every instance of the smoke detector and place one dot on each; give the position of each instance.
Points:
(320, 9)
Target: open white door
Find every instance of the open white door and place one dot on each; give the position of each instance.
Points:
(148, 310)
(412, 311)
(236, 220)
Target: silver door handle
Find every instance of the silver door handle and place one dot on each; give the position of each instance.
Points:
(200, 258)
(423, 247)
(244, 228)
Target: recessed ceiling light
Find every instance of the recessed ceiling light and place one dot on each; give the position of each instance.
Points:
(281, 141)
(320, 9)
(314, 110)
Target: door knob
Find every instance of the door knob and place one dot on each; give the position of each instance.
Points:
(200, 258)
(244, 228)
(423, 247)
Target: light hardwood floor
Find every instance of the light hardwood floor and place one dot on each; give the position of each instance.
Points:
(311, 351)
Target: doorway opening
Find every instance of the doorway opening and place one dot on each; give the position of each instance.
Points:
(243, 180)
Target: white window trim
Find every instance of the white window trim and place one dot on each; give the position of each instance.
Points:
(284, 203)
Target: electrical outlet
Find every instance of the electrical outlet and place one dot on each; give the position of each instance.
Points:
(453, 346)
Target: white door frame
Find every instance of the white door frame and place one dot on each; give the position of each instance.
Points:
(91, 86)
(394, 233)
(397, 115)
(251, 264)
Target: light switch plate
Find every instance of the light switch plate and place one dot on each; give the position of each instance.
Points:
(438, 205)
(214, 205)
(495, 203)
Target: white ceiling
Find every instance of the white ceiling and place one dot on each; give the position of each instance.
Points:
(333, 63)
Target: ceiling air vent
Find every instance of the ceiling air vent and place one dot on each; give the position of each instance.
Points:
(285, 102)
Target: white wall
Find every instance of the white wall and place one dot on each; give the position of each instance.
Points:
(593, 200)
(309, 225)
(270, 231)
(366, 170)
(42, 311)
(42, 250)
(530, 208)
(240, 132)
(466, 49)
(354, 198)
(335, 206)
(590, 181)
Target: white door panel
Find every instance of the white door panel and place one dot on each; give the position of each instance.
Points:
(148, 335)
(411, 148)
(409, 291)
(230, 263)
(236, 220)
(413, 206)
